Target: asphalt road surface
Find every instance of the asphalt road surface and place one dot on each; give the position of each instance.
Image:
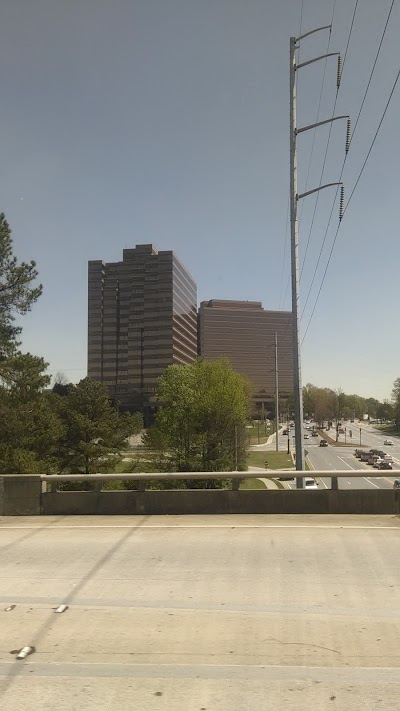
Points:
(340, 458)
(200, 613)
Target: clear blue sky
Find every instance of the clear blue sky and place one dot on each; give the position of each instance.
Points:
(166, 121)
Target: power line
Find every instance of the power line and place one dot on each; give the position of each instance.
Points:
(372, 71)
(374, 139)
(350, 32)
(351, 195)
(322, 283)
(345, 158)
(319, 107)
(329, 138)
(284, 253)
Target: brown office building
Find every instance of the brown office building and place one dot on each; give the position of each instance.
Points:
(142, 317)
(245, 333)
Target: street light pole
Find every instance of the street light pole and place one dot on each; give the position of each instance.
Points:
(276, 395)
(236, 449)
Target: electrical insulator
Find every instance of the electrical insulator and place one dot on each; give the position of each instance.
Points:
(348, 130)
(341, 202)
(339, 70)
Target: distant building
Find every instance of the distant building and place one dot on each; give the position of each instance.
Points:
(142, 317)
(244, 332)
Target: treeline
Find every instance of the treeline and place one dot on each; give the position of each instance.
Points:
(327, 404)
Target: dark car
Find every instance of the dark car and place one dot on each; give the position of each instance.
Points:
(384, 465)
(323, 443)
(364, 456)
(396, 484)
(285, 432)
(358, 453)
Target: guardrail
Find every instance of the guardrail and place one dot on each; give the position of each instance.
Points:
(235, 477)
(29, 495)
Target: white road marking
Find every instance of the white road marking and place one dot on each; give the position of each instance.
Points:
(178, 527)
(344, 462)
(371, 482)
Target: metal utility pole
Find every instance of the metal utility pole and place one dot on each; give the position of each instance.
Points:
(294, 198)
(236, 449)
(294, 239)
(276, 395)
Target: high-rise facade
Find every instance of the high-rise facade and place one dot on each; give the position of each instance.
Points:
(244, 332)
(141, 318)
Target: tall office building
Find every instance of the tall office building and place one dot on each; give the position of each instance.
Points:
(244, 332)
(142, 317)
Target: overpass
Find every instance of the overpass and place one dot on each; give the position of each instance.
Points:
(203, 613)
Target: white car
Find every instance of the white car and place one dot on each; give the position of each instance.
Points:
(388, 441)
(388, 458)
(310, 483)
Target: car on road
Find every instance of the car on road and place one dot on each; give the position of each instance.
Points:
(384, 465)
(388, 441)
(358, 453)
(388, 458)
(364, 456)
(396, 484)
(377, 462)
(323, 443)
(314, 434)
(306, 436)
(310, 483)
(285, 432)
(372, 459)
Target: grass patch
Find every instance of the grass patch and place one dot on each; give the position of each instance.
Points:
(275, 460)
(388, 429)
(252, 484)
(264, 434)
(340, 443)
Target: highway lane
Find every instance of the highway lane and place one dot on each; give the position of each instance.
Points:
(339, 458)
(371, 438)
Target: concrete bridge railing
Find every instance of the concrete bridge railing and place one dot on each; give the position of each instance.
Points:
(25, 495)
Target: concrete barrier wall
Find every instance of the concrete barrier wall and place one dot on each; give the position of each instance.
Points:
(22, 496)
(377, 501)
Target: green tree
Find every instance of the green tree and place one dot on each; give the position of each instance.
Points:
(16, 291)
(94, 431)
(201, 425)
(31, 428)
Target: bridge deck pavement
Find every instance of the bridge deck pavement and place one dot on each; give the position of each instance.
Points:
(201, 613)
